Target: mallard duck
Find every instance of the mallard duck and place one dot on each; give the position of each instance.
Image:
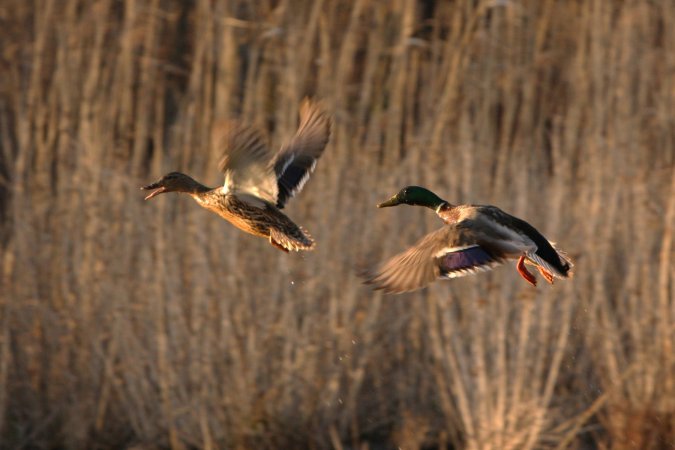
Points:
(475, 238)
(257, 185)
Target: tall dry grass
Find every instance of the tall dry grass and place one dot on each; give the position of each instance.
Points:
(124, 323)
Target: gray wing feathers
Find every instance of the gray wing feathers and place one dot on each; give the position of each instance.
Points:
(412, 269)
(450, 252)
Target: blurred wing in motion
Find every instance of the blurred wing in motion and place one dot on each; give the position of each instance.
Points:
(296, 161)
(245, 160)
(449, 252)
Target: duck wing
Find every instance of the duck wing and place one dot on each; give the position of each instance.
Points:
(245, 160)
(296, 161)
(450, 252)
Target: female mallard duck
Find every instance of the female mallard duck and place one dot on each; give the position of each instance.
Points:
(475, 238)
(257, 185)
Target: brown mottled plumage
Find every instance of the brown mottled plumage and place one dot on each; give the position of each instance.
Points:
(257, 185)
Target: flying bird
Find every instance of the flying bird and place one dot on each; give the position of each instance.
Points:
(258, 185)
(475, 238)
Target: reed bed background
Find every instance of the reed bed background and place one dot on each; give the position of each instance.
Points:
(158, 325)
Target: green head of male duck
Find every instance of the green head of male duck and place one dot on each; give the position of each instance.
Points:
(173, 182)
(414, 195)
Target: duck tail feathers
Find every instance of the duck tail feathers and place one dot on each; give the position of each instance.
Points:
(565, 260)
(298, 239)
(563, 268)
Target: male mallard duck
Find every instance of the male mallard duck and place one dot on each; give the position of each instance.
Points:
(257, 185)
(475, 238)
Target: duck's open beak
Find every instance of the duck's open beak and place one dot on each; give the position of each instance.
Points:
(158, 189)
(391, 202)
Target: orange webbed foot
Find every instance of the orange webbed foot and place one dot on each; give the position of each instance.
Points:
(524, 272)
(548, 276)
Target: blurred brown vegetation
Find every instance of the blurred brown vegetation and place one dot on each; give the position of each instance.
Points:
(125, 323)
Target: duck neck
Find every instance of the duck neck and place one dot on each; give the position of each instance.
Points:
(424, 197)
(201, 189)
(431, 201)
(443, 206)
(196, 189)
